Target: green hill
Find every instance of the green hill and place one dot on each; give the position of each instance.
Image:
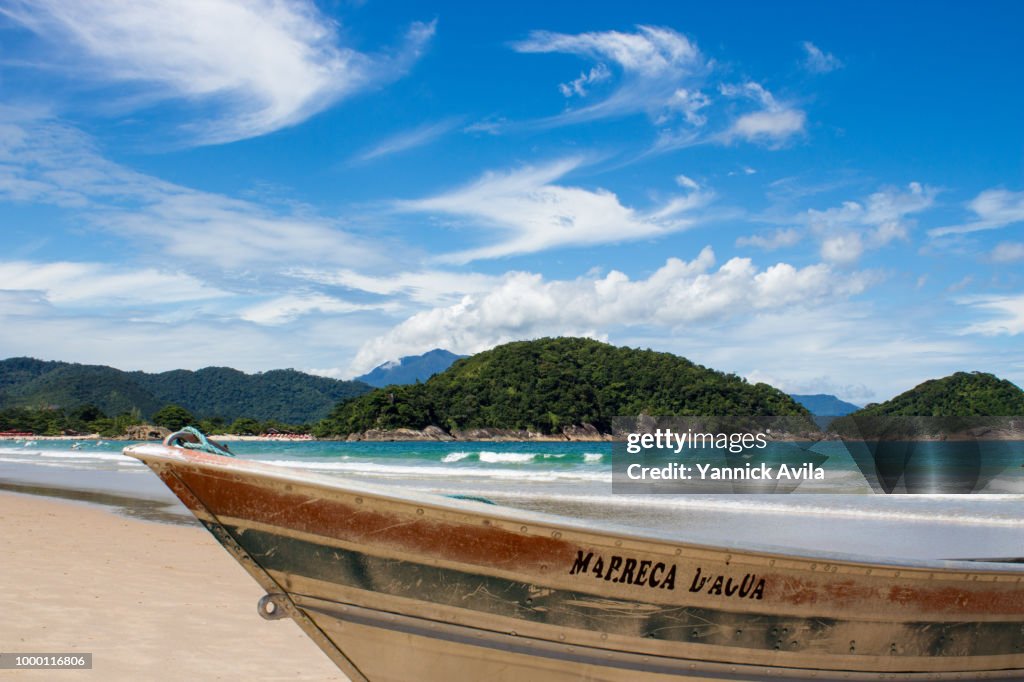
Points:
(552, 383)
(964, 394)
(281, 395)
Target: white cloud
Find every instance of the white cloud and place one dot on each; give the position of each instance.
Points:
(769, 126)
(46, 162)
(680, 293)
(97, 284)
(848, 230)
(283, 309)
(424, 287)
(1008, 252)
(818, 61)
(258, 65)
(1008, 310)
(842, 248)
(656, 65)
(410, 139)
(687, 182)
(578, 86)
(773, 124)
(769, 242)
(532, 213)
(856, 393)
(993, 208)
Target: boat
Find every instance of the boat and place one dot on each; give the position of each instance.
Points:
(397, 586)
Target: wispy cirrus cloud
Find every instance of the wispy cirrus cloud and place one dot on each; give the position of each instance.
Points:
(526, 305)
(1008, 252)
(423, 287)
(817, 60)
(45, 161)
(1006, 314)
(993, 209)
(777, 239)
(67, 283)
(250, 66)
(283, 309)
(530, 212)
(659, 71)
(409, 139)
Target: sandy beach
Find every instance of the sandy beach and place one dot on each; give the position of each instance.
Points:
(149, 600)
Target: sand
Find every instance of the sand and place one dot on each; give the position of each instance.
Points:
(149, 600)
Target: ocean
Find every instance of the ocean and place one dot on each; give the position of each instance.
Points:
(568, 478)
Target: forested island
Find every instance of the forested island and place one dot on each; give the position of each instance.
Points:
(550, 387)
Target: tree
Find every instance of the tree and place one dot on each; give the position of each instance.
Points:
(173, 417)
(244, 426)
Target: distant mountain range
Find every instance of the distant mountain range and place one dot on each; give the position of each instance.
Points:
(825, 405)
(284, 395)
(410, 369)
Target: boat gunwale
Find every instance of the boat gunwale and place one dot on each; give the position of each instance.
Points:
(171, 455)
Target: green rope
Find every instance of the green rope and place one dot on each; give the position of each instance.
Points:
(204, 444)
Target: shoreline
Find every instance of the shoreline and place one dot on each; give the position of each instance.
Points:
(149, 600)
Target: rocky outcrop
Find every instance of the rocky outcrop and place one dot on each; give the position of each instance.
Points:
(585, 432)
(146, 432)
(503, 435)
(431, 433)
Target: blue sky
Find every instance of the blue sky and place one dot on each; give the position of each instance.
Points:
(826, 197)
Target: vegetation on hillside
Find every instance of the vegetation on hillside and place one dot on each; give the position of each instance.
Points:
(89, 419)
(963, 394)
(552, 383)
(220, 393)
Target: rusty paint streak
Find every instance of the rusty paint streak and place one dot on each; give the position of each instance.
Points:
(482, 545)
(974, 598)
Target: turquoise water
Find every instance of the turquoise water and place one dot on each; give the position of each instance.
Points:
(575, 479)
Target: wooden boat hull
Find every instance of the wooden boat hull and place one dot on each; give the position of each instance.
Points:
(425, 588)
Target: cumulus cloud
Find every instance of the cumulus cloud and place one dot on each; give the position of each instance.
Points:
(44, 161)
(531, 213)
(255, 65)
(818, 61)
(993, 209)
(846, 231)
(659, 71)
(525, 305)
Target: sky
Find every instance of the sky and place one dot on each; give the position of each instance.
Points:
(827, 197)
